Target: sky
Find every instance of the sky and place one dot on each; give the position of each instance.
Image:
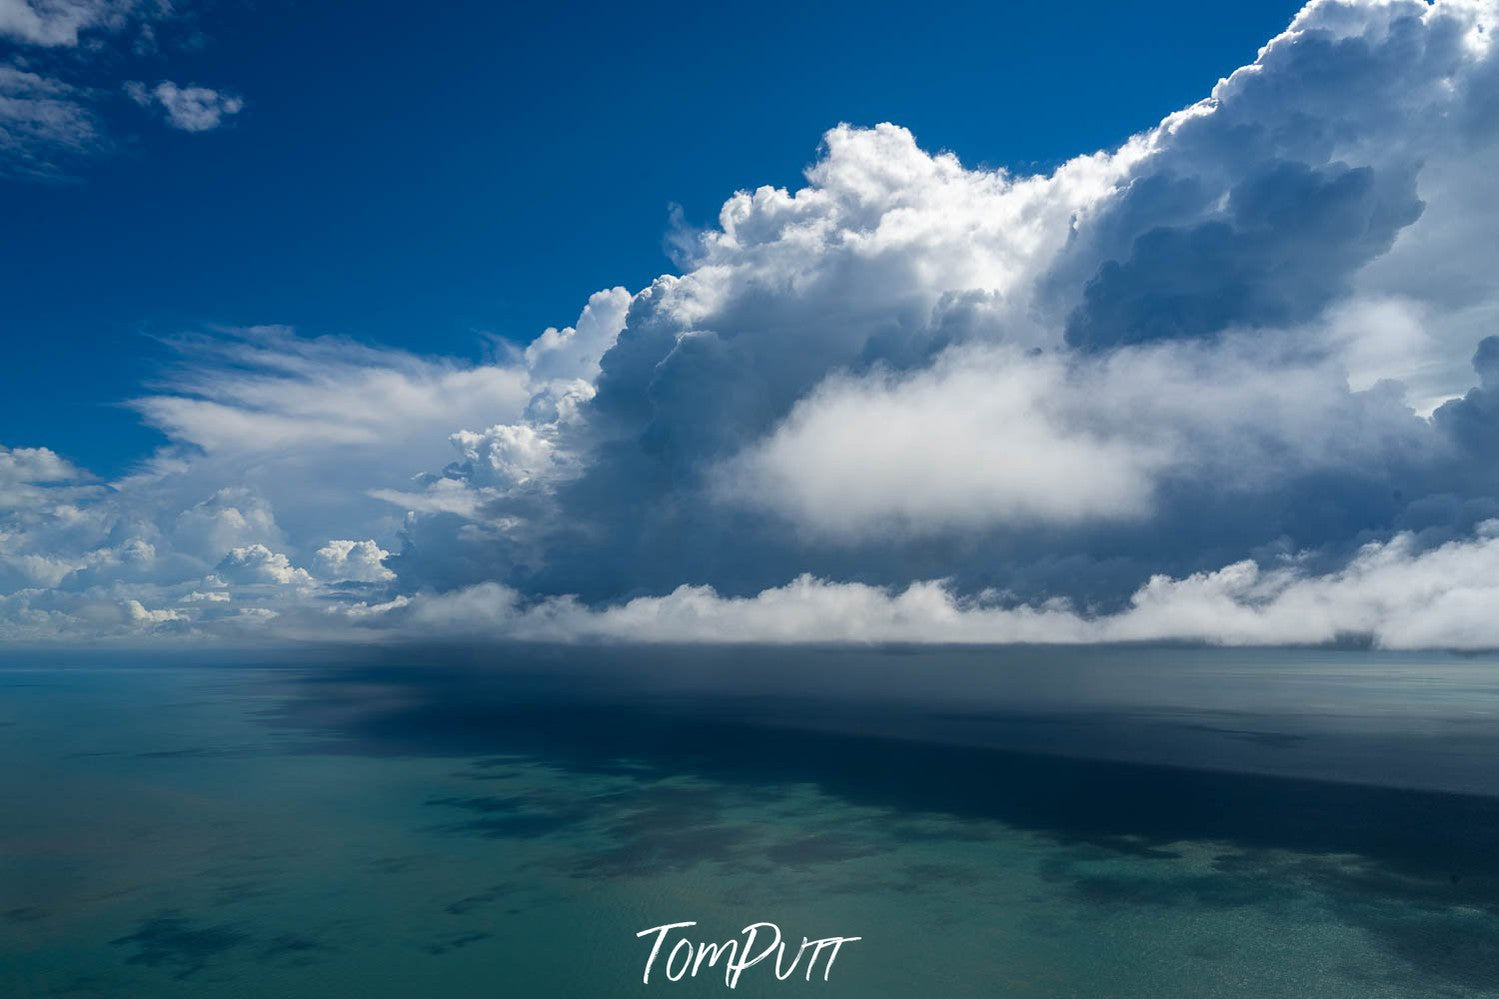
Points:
(762, 324)
(432, 183)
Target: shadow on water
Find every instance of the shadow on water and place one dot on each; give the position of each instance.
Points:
(467, 713)
(1417, 870)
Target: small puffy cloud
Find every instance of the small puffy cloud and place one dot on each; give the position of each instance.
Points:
(353, 561)
(191, 109)
(258, 564)
(506, 455)
(140, 615)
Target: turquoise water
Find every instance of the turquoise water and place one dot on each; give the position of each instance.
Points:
(1030, 823)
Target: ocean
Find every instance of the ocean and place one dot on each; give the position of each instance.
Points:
(1144, 822)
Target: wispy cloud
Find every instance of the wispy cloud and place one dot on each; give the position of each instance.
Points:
(48, 122)
(43, 122)
(59, 23)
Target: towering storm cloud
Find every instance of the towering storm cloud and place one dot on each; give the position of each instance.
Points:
(1233, 381)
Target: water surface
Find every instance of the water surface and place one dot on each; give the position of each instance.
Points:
(1126, 822)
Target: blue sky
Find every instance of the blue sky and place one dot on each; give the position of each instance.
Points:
(475, 170)
(986, 325)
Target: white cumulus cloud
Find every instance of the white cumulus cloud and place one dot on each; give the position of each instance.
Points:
(1236, 380)
(356, 561)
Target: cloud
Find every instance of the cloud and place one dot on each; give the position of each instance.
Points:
(42, 121)
(140, 615)
(1392, 594)
(1472, 421)
(974, 440)
(49, 122)
(60, 22)
(999, 379)
(1289, 238)
(1231, 381)
(334, 433)
(258, 564)
(33, 466)
(190, 109)
(573, 353)
(231, 517)
(265, 390)
(356, 561)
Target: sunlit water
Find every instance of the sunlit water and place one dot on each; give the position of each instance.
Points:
(1130, 822)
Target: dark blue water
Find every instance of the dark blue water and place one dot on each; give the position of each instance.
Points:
(1128, 822)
